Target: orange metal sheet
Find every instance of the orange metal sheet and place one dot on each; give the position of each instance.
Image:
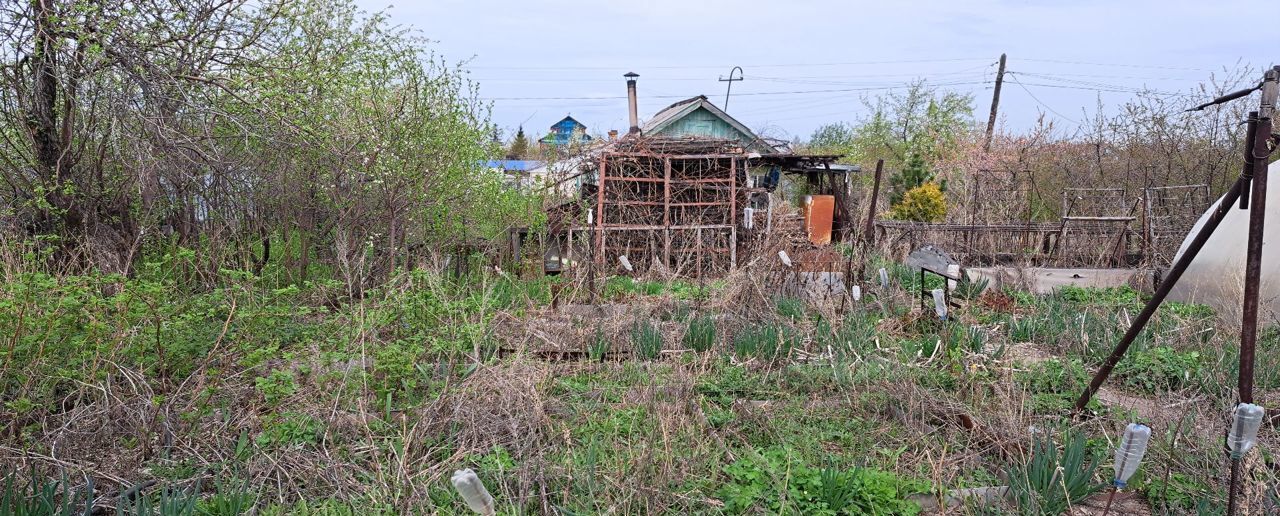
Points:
(818, 210)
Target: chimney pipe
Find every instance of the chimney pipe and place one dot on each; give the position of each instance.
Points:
(632, 109)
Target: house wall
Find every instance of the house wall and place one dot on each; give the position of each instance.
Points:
(701, 122)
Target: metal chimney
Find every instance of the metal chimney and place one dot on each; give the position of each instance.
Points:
(632, 109)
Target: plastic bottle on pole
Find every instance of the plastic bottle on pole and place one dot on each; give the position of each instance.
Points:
(1246, 419)
(1133, 446)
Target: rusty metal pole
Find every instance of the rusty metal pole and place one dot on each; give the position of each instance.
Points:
(1257, 151)
(1253, 258)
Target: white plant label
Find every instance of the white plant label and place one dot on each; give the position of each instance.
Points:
(940, 303)
(626, 264)
(884, 278)
(857, 293)
(748, 219)
(591, 217)
(786, 260)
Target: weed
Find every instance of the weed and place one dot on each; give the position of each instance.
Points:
(598, 346)
(701, 333)
(290, 429)
(276, 386)
(766, 341)
(778, 482)
(1158, 369)
(647, 340)
(1053, 384)
(790, 308)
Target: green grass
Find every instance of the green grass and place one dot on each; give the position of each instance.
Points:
(700, 334)
(769, 341)
(646, 339)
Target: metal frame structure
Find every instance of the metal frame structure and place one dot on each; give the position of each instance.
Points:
(678, 210)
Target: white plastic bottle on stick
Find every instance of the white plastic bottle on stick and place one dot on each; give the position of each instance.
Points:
(1133, 446)
(473, 491)
(1246, 419)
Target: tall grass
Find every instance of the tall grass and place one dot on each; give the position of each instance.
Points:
(646, 339)
(700, 333)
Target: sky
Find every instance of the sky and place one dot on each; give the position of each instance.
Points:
(809, 63)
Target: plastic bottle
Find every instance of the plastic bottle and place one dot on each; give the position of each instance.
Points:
(473, 491)
(1133, 446)
(1246, 419)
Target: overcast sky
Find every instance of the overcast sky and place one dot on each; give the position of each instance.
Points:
(1063, 54)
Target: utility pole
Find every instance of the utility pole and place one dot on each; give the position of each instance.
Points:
(995, 105)
(729, 87)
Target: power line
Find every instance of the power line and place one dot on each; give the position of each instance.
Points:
(694, 67)
(1038, 101)
(1117, 65)
(753, 94)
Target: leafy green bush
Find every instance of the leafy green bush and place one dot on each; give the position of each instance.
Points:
(1053, 384)
(701, 333)
(276, 386)
(289, 429)
(1158, 369)
(778, 482)
(924, 203)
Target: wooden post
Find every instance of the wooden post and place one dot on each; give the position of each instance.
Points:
(995, 105)
(599, 254)
(733, 213)
(666, 212)
(868, 232)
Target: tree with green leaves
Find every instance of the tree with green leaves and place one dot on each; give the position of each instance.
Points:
(239, 127)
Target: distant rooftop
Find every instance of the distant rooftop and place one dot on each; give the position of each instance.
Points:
(515, 165)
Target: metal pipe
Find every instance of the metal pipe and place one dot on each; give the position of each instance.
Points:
(1251, 129)
(1233, 487)
(1175, 272)
(1253, 257)
(633, 109)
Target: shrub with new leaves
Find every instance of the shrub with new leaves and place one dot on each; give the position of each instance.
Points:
(924, 203)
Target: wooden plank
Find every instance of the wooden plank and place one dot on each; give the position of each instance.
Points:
(666, 212)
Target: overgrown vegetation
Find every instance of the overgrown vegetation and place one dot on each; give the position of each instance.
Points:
(249, 265)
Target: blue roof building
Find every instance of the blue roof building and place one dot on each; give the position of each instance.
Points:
(565, 133)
